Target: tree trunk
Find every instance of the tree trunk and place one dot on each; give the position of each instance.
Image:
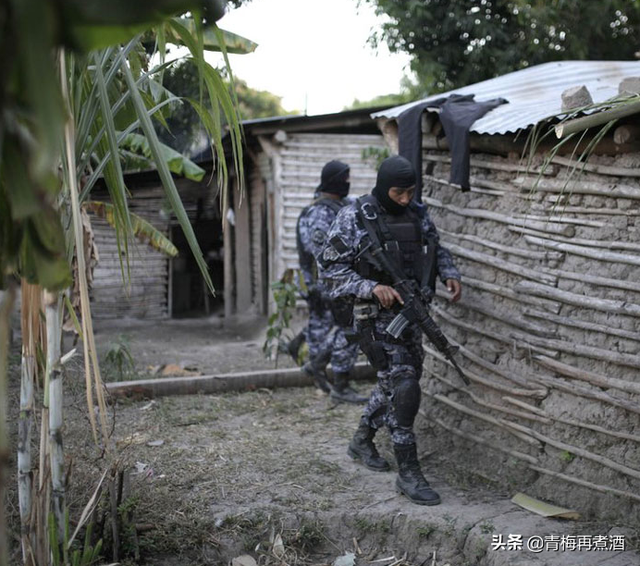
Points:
(6, 306)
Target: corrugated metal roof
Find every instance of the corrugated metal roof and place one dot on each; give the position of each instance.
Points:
(535, 93)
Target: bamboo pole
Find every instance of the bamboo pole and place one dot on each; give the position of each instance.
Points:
(585, 210)
(535, 343)
(593, 120)
(500, 423)
(512, 339)
(584, 483)
(56, 420)
(591, 326)
(475, 187)
(571, 422)
(584, 251)
(483, 441)
(528, 415)
(586, 454)
(587, 393)
(494, 165)
(30, 312)
(209, 384)
(551, 306)
(626, 134)
(501, 264)
(575, 299)
(588, 376)
(490, 310)
(529, 254)
(490, 384)
(562, 219)
(612, 190)
(609, 245)
(597, 168)
(7, 298)
(526, 381)
(568, 231)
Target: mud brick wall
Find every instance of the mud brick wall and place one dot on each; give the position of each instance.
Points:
(548, 329)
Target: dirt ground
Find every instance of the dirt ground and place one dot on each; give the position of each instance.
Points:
(265, 473)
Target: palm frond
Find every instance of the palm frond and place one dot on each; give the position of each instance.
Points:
(143, 230)
(167, 180)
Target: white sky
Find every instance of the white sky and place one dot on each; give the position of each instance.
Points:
(313, 53)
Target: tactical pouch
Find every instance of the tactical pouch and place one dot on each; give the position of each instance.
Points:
(342, 310)
(374, 350)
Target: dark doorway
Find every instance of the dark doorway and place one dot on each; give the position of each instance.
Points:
(190, 296)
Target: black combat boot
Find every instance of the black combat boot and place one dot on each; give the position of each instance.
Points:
(342, 391)
(293, 347)
(410, 480)
(317, 371)
(362, 448)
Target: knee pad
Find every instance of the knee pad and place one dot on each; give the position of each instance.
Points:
(406, 399)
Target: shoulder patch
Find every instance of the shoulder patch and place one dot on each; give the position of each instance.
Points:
(318, 237)
(330, 254)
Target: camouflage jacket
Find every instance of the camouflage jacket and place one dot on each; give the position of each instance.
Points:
(313, 227)
(343, 245)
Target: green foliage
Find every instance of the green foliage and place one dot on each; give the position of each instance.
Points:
(567, 456)
(285, 293)
(185, 131)
(75, 554)
(375, 155)
(453, 44)
(118, 359)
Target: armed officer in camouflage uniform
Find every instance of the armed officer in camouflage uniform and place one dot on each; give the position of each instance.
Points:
(350, 269)
(324, 315)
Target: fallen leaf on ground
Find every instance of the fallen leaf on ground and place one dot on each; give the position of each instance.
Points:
(348, 559)
(542, 508)
(244, 560)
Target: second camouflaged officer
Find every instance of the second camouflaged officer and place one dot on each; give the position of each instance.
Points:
(350, 268)
(324, 333)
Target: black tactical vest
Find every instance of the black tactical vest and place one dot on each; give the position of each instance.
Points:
(305, 259)
(401, 236)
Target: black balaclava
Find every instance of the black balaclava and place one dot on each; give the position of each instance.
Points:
(333, 179)
(395, 171)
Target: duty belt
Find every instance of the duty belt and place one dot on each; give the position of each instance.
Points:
(365, 311)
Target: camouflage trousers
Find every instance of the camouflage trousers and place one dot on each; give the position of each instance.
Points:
(405, 357)
(327, 342)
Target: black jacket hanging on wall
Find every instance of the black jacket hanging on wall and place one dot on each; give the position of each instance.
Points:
(458, 113)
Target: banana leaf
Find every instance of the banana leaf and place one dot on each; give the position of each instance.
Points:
(178, 163)
(143, 230)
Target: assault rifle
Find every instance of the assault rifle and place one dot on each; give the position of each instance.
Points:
(415, 310)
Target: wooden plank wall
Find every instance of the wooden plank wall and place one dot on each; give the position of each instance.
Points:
(302, 157)
(549, 327)
(146, 293)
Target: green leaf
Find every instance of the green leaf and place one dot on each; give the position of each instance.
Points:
(178, 163)
(233, 43)
(143, 230)
(167, 180)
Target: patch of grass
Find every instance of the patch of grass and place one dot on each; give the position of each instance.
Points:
(367, 526)
(487, 527)
(308, 536)
(426, 530)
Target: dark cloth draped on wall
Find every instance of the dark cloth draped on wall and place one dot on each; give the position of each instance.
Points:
(458, 113)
